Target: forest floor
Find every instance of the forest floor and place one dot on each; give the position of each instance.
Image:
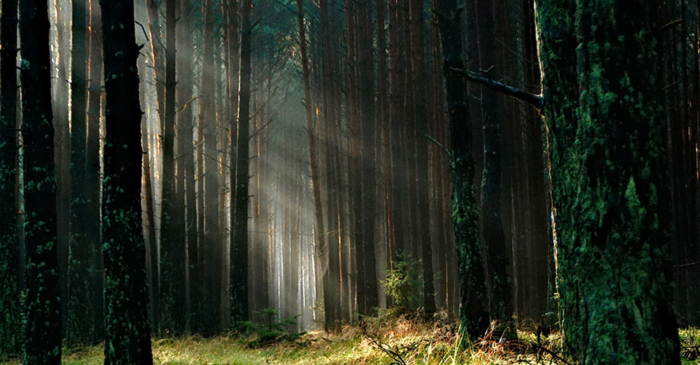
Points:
(398, 341)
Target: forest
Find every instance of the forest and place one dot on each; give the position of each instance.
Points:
(349, 182)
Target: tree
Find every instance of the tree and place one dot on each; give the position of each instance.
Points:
(126, 290)
(422, 157)
(608, 148)
(172, 262)
(474, 308)
(239, 241)
(93, 179)
(498, 281)
(10, 261)
(82, 305)
(42, 303)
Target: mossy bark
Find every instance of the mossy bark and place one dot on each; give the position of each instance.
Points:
(126, 290)
(474, 305)
(608, 146)
(42, 304)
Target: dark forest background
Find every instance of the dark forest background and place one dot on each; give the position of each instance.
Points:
(295, 153)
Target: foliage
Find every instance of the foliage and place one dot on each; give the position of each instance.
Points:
(269, 329)
(404, 282)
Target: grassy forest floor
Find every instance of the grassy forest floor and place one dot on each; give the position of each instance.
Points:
(398, 341)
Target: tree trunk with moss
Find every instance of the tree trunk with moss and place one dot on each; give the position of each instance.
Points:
(42, 303)
(126, 290)
(608, 146)
(474, 306)
(10, 323)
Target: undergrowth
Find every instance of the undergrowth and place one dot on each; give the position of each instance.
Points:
(388, 339)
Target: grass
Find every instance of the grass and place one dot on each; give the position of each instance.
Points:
(372, 342)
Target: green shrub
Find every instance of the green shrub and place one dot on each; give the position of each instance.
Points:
(404, 282)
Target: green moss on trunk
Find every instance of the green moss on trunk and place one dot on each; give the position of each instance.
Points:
(608, 141)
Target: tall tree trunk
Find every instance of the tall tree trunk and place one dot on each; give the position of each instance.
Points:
(126, 319)
(209, 161)
(496, 263)
(608, 167)
(172, 253)
(239, 246)
(421, 133)
(81, 252)
(474, 308)
(93, 181)
(10, 261)
(366, 260)
(156, 44)
(186, 167)
(42, 302)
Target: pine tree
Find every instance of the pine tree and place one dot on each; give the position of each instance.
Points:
(42, 344)
(126, 290)
(608, 149)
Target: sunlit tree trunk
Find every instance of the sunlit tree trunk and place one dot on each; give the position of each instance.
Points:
(157, 45)
(126, 319)
(42, 344)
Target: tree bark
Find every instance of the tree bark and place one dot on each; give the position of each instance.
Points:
(126, 319)
(474, 308)
(608, 146)
(42, 302)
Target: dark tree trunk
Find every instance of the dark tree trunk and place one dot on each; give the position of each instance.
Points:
(10, 260)
(608, 147)
(474, 308)
(366, 260)
(172, 252)
(93, 182)
(42, 344)
(422, 157)
(397, 66)
(239, 245)
(82, 253)
(126, 318)
(496, 261)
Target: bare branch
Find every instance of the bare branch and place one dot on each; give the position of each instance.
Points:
(535, 100)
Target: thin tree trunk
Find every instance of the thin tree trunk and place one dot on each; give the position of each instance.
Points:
(239, 246)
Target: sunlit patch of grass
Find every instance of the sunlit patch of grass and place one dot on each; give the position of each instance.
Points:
(416, 342)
